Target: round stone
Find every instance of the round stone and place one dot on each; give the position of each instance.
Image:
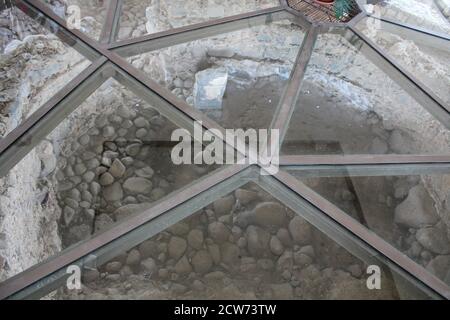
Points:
(137, 185)
(113, 192)
(106, 179)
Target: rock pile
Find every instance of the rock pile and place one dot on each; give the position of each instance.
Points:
(246, 243)
(115, 167)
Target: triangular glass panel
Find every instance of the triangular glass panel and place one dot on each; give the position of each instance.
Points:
(411, 212)
(108, 158)
(426, 14)
(231, 77)
(245, 245)
(348, 105)
(426, 57)
(34, 65)
(139, 18)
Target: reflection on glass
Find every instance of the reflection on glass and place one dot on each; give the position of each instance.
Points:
(426, 57)
(245, 245)
(34, 65)
(426, 14)
(409, 212)
(108, 159)
(236, 78)
(347, 105)
(146, 17)
(87, 16)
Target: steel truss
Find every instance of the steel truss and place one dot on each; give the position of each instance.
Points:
(107, 56)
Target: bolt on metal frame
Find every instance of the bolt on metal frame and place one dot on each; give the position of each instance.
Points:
(107, 63)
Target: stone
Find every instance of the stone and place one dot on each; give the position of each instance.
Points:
(133, 258)
(92, 163)
(214, 251)
(145, 172)
(257, 241)
(133, 149)
(106, 179)
(179, 229)
(149, 265)
(308, 250)
(68, 214)
(108, 132)
(265, 264)
(79, 169)
(202, 261)
(219, 232)
(440, 266)
(88, 176)
(90, 275)
(198, 285)
(137, 185)
(176, 247)
(285, 261)
(195, 239)
(209, 88)
(80, 232)
(113, 192)
(113, 267)
(417, 210)
(434, 239)
(86, 196)
(223, 205)
(141, 122)
(230, 253)
(300, 230)
(379, 146)
(75, 194)
(284, 236)
(95, 188)
(302, 259)
(269, 214)
(178, 288)
(245, 196)
(276, 246)
(183, 267)
(399, 142)
(141, 133)
(282, 291)
(129, 209)
(84, 139)
(117, 169)
(102, 221)
(148, 248)
(72, 203)
(157, 194)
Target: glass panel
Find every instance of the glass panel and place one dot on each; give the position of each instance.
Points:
(34, 65)
(426, 57)
(109, 158)
(245, 245)
(411, 212)
(347, 105)
(86, 15)
(230, 77)
(146, 17)
(427, 14)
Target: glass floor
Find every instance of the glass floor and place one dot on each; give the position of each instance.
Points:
(92, 93)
